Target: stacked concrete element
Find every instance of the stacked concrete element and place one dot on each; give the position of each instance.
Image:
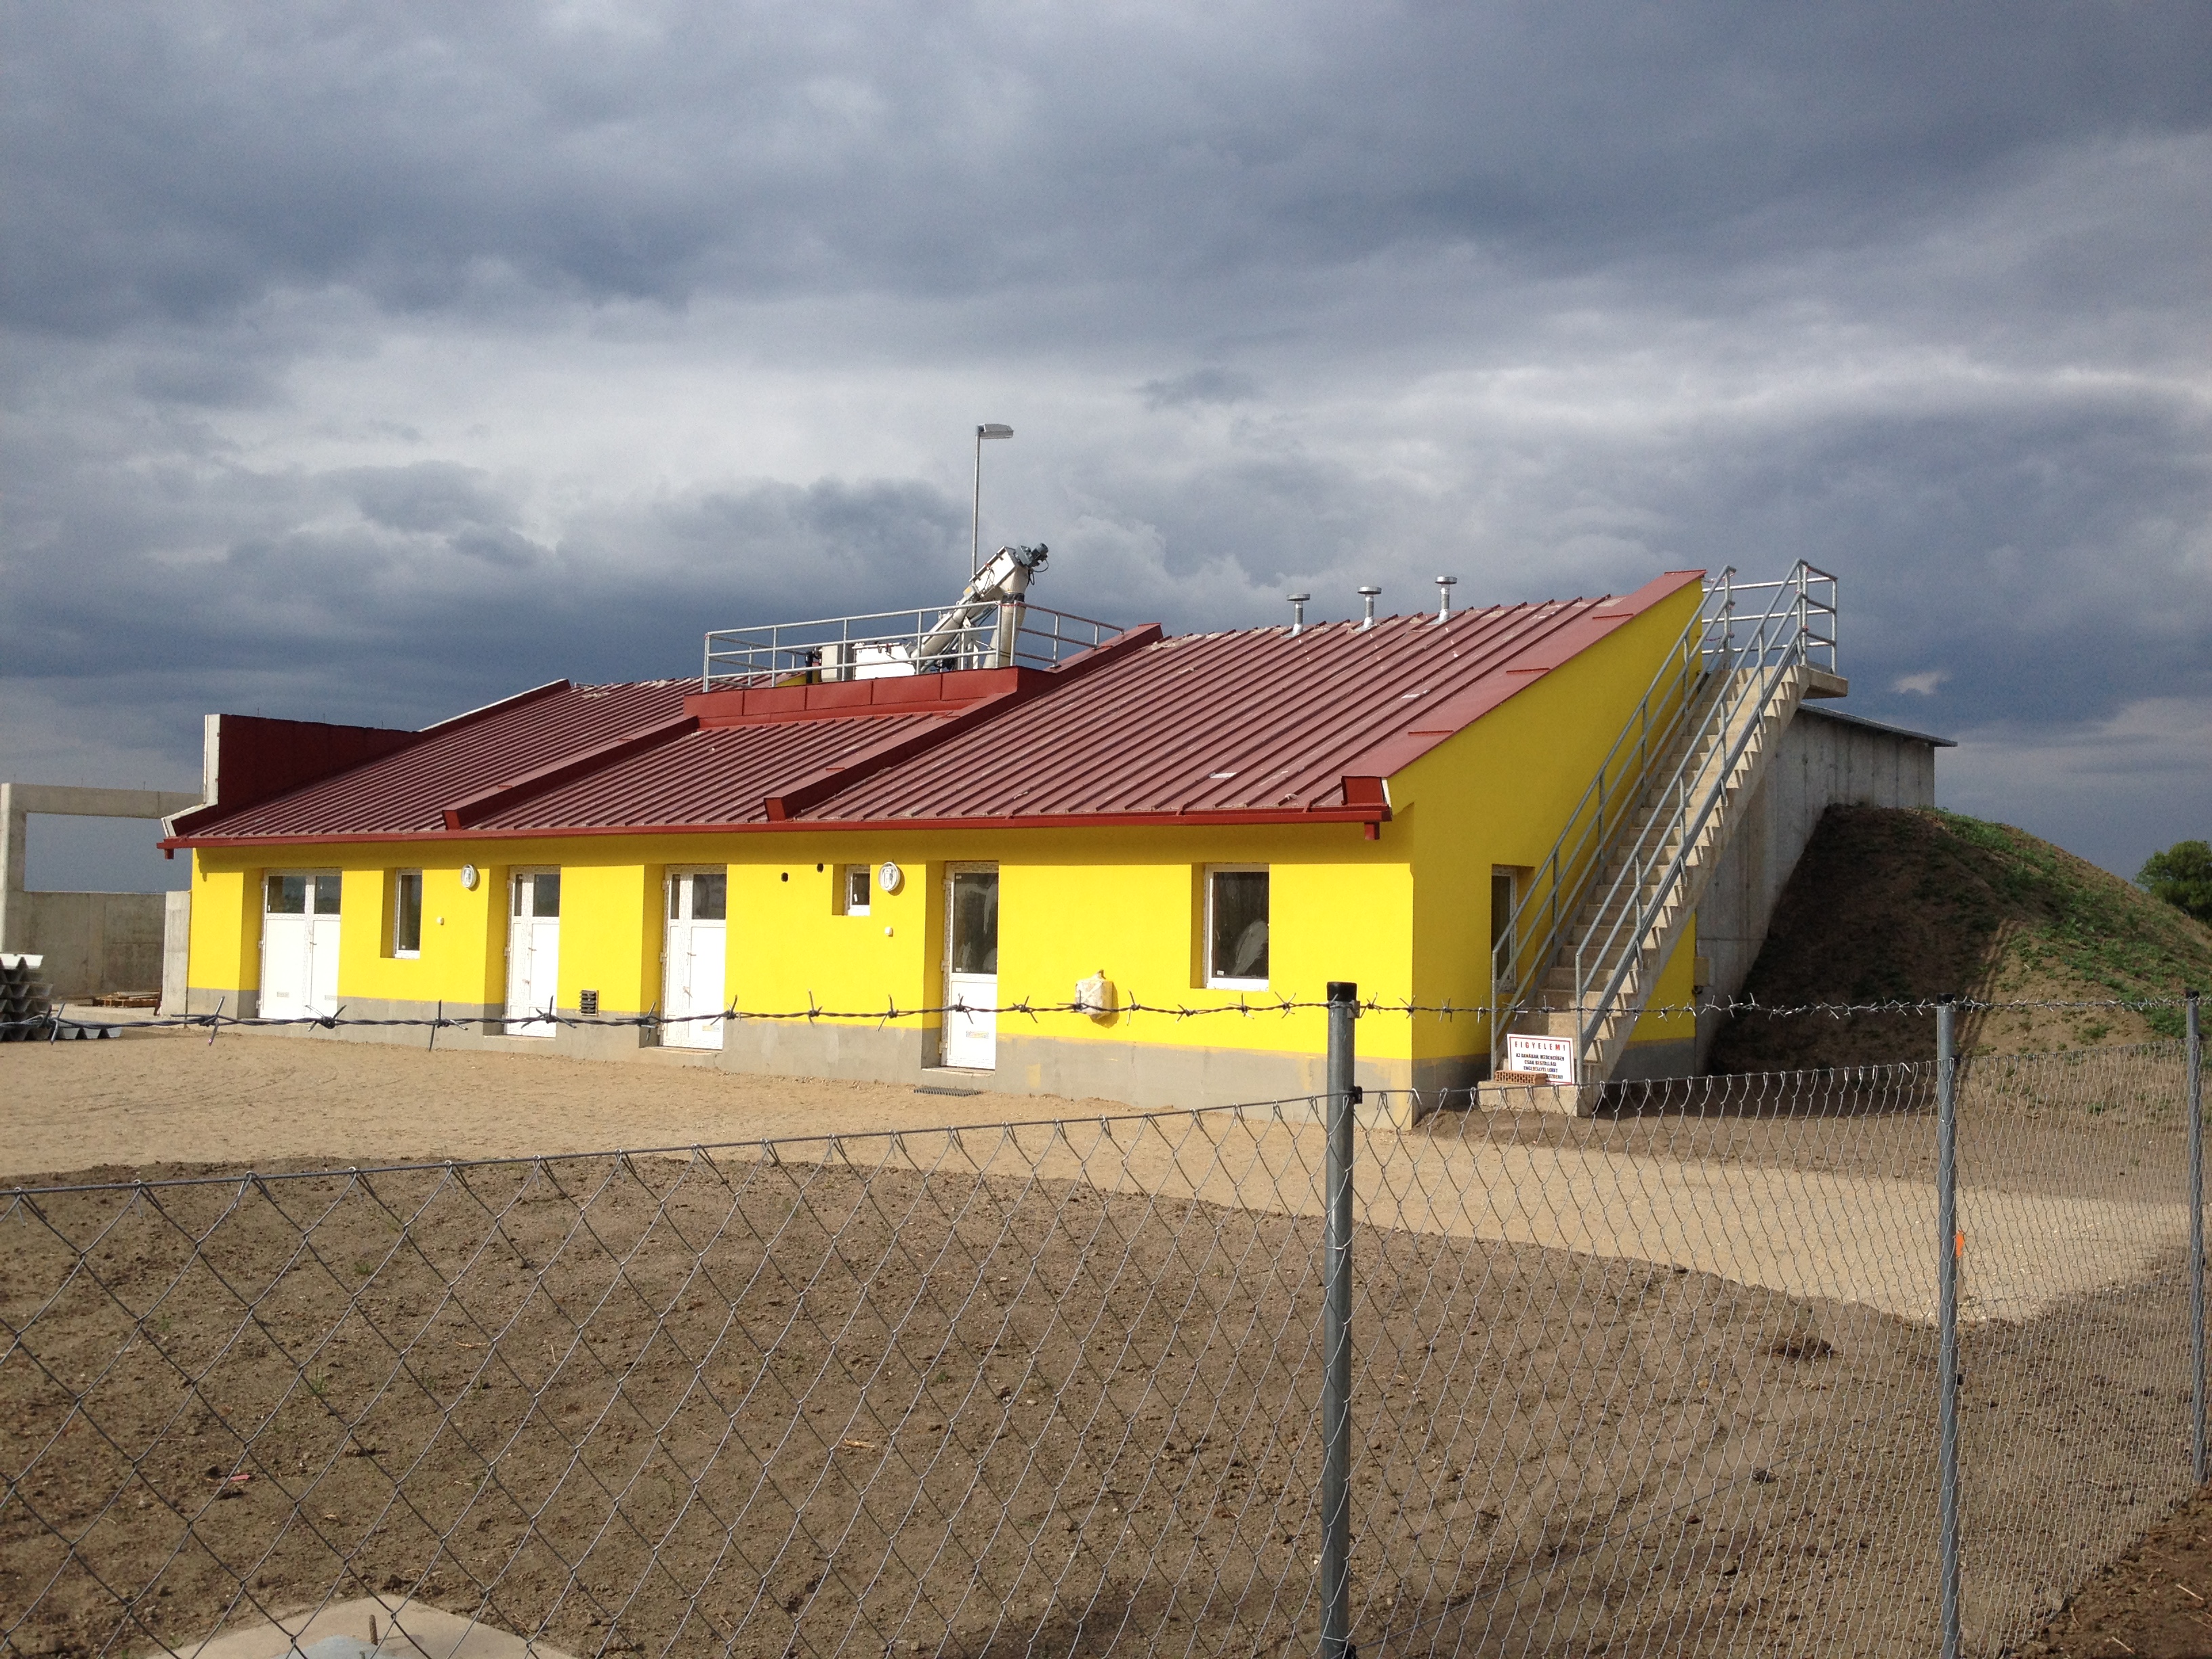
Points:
(23, 998)
(93, 943)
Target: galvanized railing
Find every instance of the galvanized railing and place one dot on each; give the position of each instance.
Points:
(1696, 693)
(889, 644)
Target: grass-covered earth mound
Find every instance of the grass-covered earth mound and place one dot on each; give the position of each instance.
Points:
(1891, 904)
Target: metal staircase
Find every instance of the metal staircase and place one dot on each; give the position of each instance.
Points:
(1587, 940)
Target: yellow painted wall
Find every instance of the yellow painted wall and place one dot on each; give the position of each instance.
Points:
(1497, 793)
(1072, 902)
(226, 926)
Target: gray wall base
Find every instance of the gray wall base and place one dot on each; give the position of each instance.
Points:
(204, 1000)
(1643, 1062)
(1145, 1075)
(851, 1053)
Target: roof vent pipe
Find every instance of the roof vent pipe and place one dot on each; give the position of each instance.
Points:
(1299, 613)
(1367, 593)
(1444, 586)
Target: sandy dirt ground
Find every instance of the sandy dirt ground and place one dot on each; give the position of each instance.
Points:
(745, 1407)
(1660, 1384)
(249, 1098)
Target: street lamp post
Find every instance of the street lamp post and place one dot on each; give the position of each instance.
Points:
(988, 429)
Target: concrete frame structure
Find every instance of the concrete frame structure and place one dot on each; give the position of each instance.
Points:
(93, 943)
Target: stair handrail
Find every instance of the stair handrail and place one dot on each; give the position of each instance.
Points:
(1611, 797)
(1785, 637)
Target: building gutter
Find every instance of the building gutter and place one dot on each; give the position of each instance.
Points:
(1361, 815)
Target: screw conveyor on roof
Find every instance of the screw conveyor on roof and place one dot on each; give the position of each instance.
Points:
(991, 625)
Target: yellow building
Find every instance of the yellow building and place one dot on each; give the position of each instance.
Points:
(839, 838)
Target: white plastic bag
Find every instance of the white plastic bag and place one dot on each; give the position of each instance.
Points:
(1095, 995)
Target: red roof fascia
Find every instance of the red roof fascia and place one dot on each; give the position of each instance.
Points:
(1202, 818)
(905, 694)
(825, 785)
(513, 791)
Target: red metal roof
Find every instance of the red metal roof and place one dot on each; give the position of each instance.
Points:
(720, 777)
(1258, 720)
(408, 791)
(1255, 724)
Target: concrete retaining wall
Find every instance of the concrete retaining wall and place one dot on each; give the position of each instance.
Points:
(94, 943)
(1826, 759)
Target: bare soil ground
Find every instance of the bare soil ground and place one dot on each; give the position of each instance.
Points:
(1657, 1382)
(752, 1406)
(2154, 1602)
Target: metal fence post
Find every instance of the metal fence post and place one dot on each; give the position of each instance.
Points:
(1947, 1318)
(2196, 1098)
(1336, 1334)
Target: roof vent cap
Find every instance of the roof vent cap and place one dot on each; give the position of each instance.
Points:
(1368, 591)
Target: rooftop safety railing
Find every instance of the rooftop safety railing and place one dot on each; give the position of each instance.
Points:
(890, 644)
(1656, 767)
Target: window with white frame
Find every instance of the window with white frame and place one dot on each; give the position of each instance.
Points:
(407, 912)
(1237, 927)
(855, 882)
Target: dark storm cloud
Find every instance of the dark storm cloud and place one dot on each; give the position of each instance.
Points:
(1543, 296)
(183, 160)
(1200, 386)
(425, 597)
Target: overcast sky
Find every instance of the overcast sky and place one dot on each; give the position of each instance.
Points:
(366, 362)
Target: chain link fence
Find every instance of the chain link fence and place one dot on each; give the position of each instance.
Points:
(1661, 1380)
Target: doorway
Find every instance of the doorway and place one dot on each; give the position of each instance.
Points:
(300, 944)
(971, 966)
(533, 950)
(692, 957)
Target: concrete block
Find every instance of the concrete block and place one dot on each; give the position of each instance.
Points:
(373, 1627)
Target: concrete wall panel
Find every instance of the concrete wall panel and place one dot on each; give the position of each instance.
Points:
(1822, 761)
(95, 943)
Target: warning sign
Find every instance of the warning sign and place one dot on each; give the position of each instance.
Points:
(1554, 1056)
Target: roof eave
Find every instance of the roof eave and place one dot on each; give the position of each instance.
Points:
(1376, 813)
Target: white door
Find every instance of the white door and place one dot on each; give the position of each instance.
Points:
(533, 950)
(692, 957)
(299, 945)
(971, 966)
